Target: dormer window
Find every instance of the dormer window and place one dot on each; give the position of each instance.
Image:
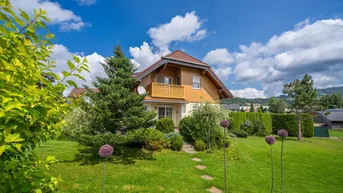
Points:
(196, 82)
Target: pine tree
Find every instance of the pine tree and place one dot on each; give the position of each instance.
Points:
(116, 108)
(303, 97)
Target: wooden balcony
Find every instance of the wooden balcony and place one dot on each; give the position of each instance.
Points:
(166, 90)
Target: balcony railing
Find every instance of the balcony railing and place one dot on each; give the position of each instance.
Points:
(166, 90)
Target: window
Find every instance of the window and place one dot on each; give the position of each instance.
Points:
(165, 79)
(165, 112)
(145, 107)
(196, 82)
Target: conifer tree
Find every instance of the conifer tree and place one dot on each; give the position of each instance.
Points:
(116, 108)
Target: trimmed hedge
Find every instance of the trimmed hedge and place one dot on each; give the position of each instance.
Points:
(289, 122)
(238, 118)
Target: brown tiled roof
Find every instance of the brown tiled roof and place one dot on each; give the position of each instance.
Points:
(176, 55)
(181, 56)
(76, 92)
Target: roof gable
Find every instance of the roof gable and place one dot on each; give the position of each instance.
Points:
(181, 56)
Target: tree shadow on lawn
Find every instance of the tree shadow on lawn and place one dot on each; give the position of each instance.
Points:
(122, 155)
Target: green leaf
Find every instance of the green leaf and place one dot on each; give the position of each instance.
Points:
(77, 59)
(71, 65)
(18, 146)
(72, 83)
(3, 148)
(13, 138)
(38, 191)
(65, 73)
(79, 76)
(24, 15)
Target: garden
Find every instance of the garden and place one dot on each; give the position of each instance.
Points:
(108, 142)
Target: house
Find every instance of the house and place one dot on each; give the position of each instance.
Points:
(177, 83)
(77, 92)
(332, 118)
(232, 107)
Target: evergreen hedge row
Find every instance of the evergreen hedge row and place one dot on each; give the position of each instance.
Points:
(289, 122)
(275, 122)
(238, 118)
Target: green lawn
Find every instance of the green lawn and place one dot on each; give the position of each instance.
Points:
(336, 133)
(314, 165)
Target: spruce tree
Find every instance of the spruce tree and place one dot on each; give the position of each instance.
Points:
(116, 108)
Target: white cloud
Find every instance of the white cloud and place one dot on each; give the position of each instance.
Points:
(187, 28)
(86, 2)
(223, 73)
(315, 48)
(61, 54)
(63, 17)
(248, 93)
(179, 29)
(219, 56)
(144, 55)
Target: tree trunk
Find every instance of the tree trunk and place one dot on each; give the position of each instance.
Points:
(299, 124)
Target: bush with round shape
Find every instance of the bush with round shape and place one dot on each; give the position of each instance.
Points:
(248, 127)
(199, 145)
(149, 138)
(165, 125)
(240, 133)
(175, 141)
(190, 130)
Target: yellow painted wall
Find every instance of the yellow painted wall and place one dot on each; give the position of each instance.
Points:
(207, 92)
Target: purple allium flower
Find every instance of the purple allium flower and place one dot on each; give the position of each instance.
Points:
(224, 123)
(105, 151)
(270, 140)
(282, 133)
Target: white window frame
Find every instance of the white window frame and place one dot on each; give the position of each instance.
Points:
(196, 77)
(165, 111)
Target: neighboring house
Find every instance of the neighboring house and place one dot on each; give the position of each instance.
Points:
(333, 118)
(77, 92)
(177, 83)
(232, 107)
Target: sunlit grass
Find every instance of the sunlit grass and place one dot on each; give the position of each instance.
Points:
(314, 165)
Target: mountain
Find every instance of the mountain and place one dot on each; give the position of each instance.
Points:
(330, 90)
(264, 101)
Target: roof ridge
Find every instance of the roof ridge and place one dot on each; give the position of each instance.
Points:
(200, 61)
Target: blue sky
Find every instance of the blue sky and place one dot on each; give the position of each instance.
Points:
(291, 37)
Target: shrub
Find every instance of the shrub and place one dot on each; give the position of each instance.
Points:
(175, 140)
(75, 123)
(149, 138)
(307, 125)
(247, 127)
(240, 133)
(259, 128)
(289, 123)
(190, 130)
(165, 125)
(199, 145)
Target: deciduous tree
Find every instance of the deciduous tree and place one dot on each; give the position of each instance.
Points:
(31, 104)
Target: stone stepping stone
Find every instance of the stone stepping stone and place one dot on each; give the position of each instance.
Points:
(207, 177)
(196, 159)
(200, 167)
(188, 149)
(214, 190)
